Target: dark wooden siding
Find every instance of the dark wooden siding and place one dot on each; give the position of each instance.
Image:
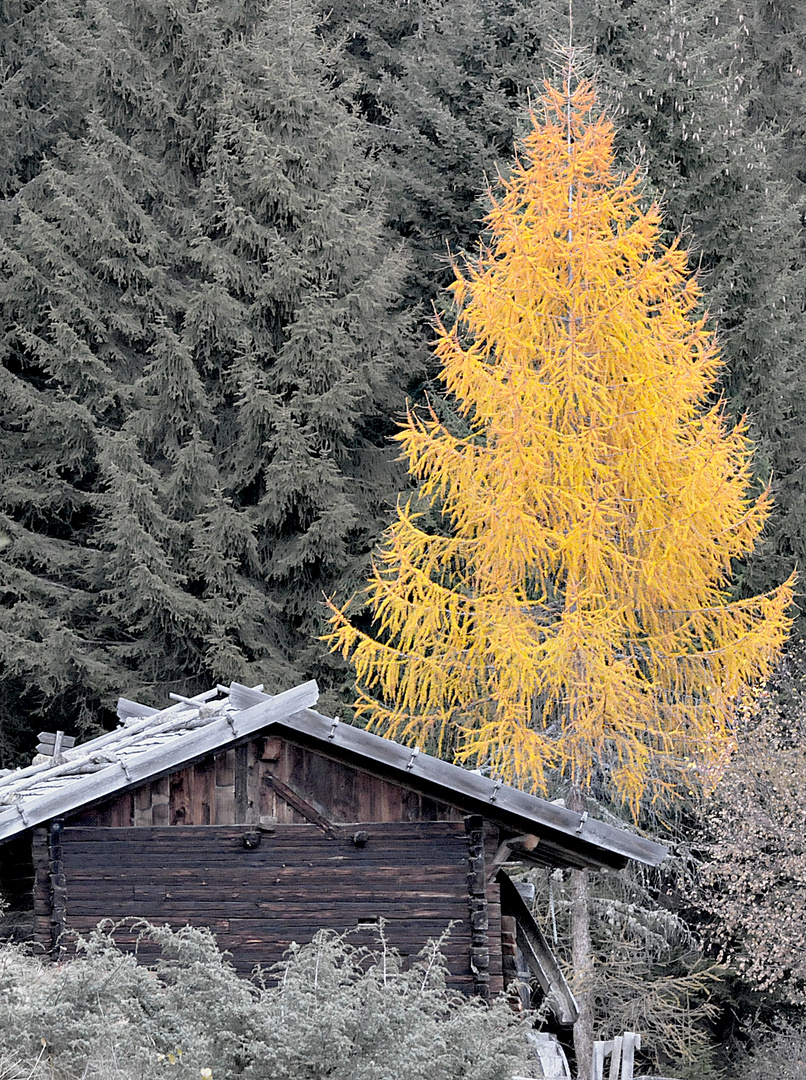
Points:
(233, 788)
(258, 900)
(17, 889)
(171, 850)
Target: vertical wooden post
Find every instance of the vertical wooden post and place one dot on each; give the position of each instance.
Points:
(582, 955)
(615, 1057)
(241, 784)
(477, 902)
(597, 1061)
(622, 1056)
(632, 1042)
(58, 889)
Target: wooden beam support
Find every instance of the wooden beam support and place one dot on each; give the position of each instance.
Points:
(241, 792)
(536, 952)
(298, 803)
(526, 842)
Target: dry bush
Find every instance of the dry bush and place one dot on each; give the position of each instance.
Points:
(753, 878)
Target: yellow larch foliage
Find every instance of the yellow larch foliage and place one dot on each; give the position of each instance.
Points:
(567, 608)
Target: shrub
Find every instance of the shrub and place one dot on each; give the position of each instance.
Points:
(330, 1009)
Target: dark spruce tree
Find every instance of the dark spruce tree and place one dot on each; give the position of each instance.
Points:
(40, 96)
(777, 38)
(444, 84)
(201, 355)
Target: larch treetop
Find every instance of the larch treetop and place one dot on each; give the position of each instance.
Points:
(568, 608)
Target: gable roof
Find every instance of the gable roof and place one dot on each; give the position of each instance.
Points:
(152, 742)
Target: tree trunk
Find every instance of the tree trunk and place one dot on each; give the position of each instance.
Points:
(582, 957)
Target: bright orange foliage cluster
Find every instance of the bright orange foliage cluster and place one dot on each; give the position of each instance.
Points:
(568, 609)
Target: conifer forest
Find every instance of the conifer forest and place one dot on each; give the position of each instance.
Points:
(247, 255)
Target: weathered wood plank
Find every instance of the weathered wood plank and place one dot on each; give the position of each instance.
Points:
(254, 769)
(371, 847)
(58, 892)
(181, 796)
(293, 834)
(236, 902)
(387, 873)
(284, 881)
(312, 911)
(382, 879)
(42, 897)
(225, 769)
(203, 792)
(256, 859)
(224, 804)
(492, 842)
(340, 840)
(271, 749)
(122, 811)
(143, 816)
(240, 786)
(142, 799)
(161, 802)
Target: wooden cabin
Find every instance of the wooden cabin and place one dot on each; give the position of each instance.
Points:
(263, 819)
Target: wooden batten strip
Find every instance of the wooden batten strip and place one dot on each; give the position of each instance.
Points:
(128, 709)
(244, 697)
(296, 801)
(393, 831)
(58, 889)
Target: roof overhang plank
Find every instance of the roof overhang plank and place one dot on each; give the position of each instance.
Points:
(153, 743)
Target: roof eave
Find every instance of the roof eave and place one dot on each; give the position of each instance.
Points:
(595, 843)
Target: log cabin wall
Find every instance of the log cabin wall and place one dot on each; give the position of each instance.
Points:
(261, 890)
(252, 843)
(43, 900)
(17, 876)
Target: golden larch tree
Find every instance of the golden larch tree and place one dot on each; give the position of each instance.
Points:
(556, 598)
